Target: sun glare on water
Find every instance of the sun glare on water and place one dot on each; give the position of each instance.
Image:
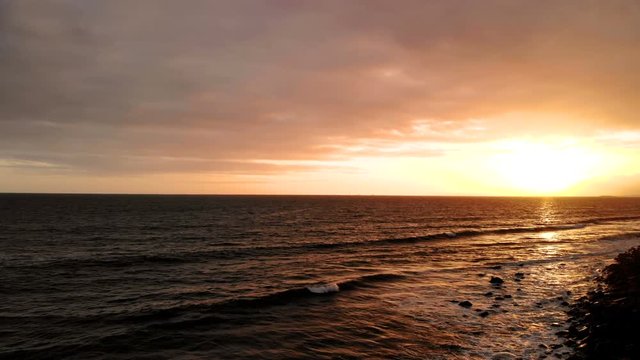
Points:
(544, 168)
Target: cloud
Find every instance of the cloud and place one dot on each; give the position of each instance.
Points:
(126, 87)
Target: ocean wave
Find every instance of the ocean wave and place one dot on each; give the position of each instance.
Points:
(231, 252)
(249, 304)
(601, 220)
(452, 235)
(114, 261)
(622, 236)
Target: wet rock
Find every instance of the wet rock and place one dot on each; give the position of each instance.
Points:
(543, 346)
(465, 304)
(570, 343)
(555, 324)
(556, 346)
(496, 280)
(562, 333)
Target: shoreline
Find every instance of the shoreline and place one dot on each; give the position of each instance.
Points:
(603, 324)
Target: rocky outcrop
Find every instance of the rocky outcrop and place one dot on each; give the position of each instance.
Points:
(604, 324)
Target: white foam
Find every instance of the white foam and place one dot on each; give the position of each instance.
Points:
(323, 288)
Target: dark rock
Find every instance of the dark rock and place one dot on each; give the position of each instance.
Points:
(495, 267)
(496, 280)
(488, 294)
(556, 346)
(507, 296)
(604, 324)
(519, 275)
(465, 304)
(570, 343)
(499, 298)
(543, 346)
(564, 303)
(484, 314)
(481, 274)
(495, 305)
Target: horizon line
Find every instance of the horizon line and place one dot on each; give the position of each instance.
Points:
(315, 195)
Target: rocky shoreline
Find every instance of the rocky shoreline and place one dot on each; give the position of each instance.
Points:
(604, 323)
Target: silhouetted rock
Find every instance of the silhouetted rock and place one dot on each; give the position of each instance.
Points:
(604, 324)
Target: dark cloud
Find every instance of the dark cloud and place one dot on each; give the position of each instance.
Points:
(98, 86)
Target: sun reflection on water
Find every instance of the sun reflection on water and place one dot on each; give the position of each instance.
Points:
(549, 235)
(547, 211)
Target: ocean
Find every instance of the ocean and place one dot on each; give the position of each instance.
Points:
(299, 277)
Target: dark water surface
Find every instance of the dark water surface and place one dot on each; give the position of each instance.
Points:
(238, 277)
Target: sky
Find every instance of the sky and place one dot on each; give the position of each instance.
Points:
(320, 97)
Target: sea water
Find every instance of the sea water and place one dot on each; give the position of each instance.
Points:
(309, 277)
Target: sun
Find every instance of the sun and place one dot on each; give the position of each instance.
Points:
(544, 168)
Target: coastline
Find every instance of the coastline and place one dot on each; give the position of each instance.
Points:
(603, 324)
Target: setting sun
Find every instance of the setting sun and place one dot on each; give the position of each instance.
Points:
(544, 168)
